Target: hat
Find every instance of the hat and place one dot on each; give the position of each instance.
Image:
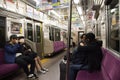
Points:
(20, 37)
(13, 37)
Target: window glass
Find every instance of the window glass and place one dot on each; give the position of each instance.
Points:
(57, 34)
(29, 31)
(38, 33)
(51, 33)
(114, 28)
(98, 30)
(54, 34)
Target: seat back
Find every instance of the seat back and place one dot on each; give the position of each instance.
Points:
(110, 66)
(58, 45)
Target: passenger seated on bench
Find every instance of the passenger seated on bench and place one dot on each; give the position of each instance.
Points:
(82, 42)
(12, 55)
(27, 51)
(89, 56)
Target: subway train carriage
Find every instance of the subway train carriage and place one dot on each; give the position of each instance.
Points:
(59, 39)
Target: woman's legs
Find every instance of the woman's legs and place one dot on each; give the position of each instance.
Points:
(40, 65)
(74, 68)
(73, 71)
(39, 62)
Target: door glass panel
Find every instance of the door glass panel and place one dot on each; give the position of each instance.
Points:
(51, 33)
(38, 34)
(57, 34)
(29, 31)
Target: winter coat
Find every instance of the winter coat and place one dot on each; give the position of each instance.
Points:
(10, 52)
(92, 55)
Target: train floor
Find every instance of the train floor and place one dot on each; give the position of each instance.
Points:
(52, 63)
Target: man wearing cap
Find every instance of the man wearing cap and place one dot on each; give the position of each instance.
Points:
(10, 49)
(13, 55)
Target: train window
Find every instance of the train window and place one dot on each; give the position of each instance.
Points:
(98, 30)
(114, 29)
(57, 34)
(2, 32)
(29, 31)
(51, 33)
(64, 34)
(54, 34)
(38, 34)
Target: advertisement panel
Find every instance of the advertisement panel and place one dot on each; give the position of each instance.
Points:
(11, 5)
(21, 7)
(29, 11)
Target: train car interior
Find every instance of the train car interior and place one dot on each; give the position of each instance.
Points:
(53, 29)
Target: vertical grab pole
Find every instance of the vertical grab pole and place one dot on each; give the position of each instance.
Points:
(69, 40)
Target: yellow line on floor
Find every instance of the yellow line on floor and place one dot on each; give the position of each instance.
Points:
(44, 60)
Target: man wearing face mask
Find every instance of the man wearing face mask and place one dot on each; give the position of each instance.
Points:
(27, 51)
(13, 55)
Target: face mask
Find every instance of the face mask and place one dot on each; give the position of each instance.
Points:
(22, 40)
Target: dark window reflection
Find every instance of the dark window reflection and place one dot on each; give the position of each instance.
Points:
(114, 32)
(38, 34)
(29, 31)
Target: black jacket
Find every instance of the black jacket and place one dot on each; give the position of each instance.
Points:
(92, 55)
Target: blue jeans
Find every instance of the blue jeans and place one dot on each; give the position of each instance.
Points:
(74, 68)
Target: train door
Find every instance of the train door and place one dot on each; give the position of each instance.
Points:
(2, 31)
(29, 34)
(30, 31)
(39, 39)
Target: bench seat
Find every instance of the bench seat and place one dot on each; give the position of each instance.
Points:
(110, 69)
(7, 68)
(85, 75)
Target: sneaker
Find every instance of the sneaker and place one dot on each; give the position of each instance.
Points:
(35, 76)
(30, 75)
(45, 69)
(42, 71)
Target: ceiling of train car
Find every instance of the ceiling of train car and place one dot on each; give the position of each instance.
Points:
(82, 11)
(59, 9)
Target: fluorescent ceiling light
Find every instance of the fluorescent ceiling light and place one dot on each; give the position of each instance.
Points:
(55, 13)
(98, 2)
(102, 3)
(37, 1)
(113, 10)
(82, 18)
(84, 23)
(76, 1)
(79, 10)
